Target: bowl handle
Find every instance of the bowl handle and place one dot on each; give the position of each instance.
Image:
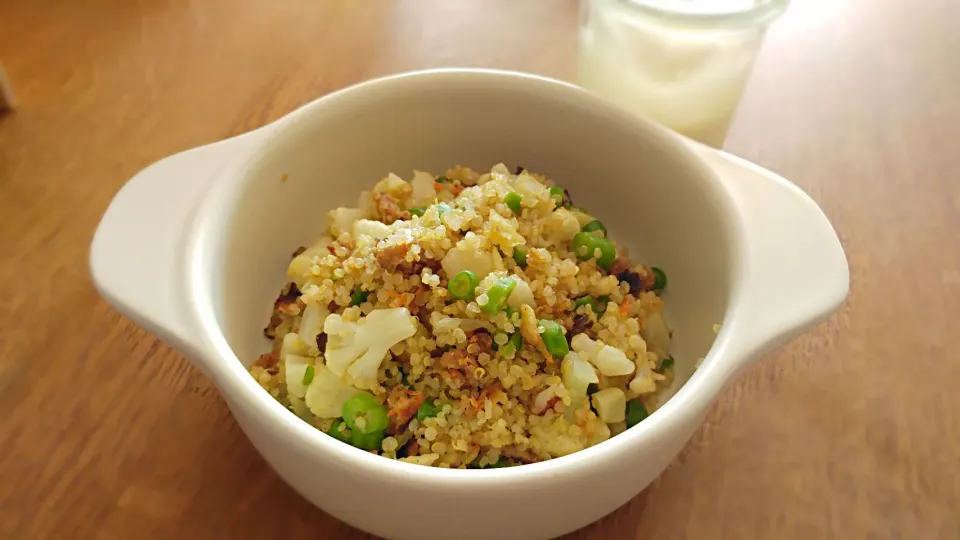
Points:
(137, 256)
(797, 272)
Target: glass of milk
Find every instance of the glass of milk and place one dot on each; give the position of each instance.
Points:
(683, 63)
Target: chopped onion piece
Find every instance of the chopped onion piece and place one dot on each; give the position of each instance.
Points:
(611, 405)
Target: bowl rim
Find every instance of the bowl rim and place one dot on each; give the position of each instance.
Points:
(682, 412)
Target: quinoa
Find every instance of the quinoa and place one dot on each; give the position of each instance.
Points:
(457, 391)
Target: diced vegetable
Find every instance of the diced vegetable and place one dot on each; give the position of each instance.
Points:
(556, 193)
(521, 294)
(513, 200)
(553, 338)
(610, 361)
(513, 346)
(520, 255)
(498, 294)
(428, 409)
(463, 285)
(586, 301)
(307, 376)
(295, 371)
(582, 217)
(364, 414)
(595, 226)
(416, 211)
(359, 296)
(610, 404)
(367, 442)
(636, 413)
(656, 333)
(339, 431)
(577, 375)
(659, 280)
(586, 246)
(667, 363)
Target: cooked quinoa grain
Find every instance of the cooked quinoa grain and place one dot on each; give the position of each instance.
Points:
(449, 321)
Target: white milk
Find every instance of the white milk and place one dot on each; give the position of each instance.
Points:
(687, 75)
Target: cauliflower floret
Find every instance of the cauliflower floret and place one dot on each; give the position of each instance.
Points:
(393, 185)
(368, 227)
(311, 324)
(463, 258)
(643, 382)
(300, 269)
(340, 220)
(423, 190)
(357, 349)
(327, 393)
(610, 361)
(295, 367)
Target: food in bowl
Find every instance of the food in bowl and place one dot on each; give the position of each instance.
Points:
(468, 320)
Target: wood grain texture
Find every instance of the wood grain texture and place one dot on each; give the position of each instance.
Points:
(852, 431)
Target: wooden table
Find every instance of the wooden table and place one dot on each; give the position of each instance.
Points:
(852, 431)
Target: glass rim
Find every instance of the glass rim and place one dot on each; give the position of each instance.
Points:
(700, 12)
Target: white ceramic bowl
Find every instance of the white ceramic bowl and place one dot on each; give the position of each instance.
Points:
(194, 248)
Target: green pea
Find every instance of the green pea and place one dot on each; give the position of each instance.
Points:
(339, 433)
(463, 285)
(365, 406)
(498, 294)
(603, 301)
(667, 363)
(585, 246)
(442, 180)
(553, 338)
(595, 225)
(586, 301)
(520, 255)
(659, 280)
(416, 211)
(512, 200)
(307, 376)
(428, 409)
(636, 412)
(367, 441)
(359, 296)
